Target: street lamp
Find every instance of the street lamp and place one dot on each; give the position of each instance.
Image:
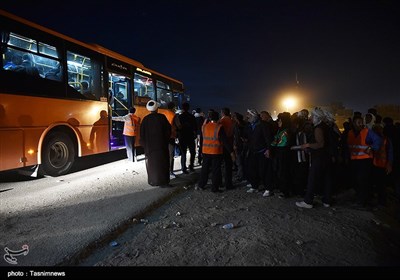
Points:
(289, 103)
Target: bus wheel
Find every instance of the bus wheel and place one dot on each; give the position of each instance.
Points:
(58, 154)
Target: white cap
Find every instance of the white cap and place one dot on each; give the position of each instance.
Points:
(152, 106)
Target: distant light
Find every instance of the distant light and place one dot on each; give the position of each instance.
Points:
(289, 103)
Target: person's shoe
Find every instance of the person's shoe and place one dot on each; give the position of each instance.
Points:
(303, 204)
(172, 175)
(251, 190)
(267, 193)
(198, 188)
(326, 205)
(248, 185)
(282, 195)
(185, 171)
(191, 168)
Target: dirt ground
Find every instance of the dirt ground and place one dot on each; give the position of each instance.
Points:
(188, 231)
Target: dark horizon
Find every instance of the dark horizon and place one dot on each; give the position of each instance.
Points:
(247, 53)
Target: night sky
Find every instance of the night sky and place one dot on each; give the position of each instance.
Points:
(245, 54)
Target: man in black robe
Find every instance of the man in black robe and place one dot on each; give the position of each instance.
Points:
(155, 132)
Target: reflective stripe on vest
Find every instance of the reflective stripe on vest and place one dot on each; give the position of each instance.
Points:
(380, 156)
(357, 146)
(211, 143)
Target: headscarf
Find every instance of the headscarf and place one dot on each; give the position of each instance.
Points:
(371, 124)
(329, 117)
(252, 112)
(253, 115)
(317, 116)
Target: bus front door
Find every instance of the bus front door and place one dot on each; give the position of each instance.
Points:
(120, 101)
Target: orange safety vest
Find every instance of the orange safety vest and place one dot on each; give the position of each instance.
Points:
(211, 143)
(227, 123)
(357, 146)
(170, 117)
(381, 155)
(131, 127)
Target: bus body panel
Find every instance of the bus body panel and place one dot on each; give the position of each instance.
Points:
(23, 127)
(11, 149)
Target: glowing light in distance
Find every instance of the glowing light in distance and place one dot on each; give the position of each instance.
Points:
(289, 103)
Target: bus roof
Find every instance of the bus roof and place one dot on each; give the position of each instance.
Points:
(94, 47)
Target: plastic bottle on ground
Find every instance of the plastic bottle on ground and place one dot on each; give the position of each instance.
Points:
(228, 226)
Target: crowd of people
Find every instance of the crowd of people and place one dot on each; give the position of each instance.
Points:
(303, 154)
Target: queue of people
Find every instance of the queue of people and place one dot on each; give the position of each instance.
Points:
(298, 154)
(303, 155)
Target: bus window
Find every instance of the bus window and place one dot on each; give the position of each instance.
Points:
(84, 76)
(119, 90)
(48, 50)
(22, 42)
(48, 65)
(162, 85)
(144, 89)
(164, 97)
(186, 98)
(120, 101)
(29, 56)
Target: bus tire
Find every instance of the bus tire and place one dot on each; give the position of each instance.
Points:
(58, 154)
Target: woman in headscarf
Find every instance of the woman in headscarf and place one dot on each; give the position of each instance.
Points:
(318, 170)
(369, 120)
(281, 155)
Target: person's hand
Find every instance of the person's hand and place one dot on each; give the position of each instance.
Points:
(305, 146)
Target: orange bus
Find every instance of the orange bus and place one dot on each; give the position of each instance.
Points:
(57, 96)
